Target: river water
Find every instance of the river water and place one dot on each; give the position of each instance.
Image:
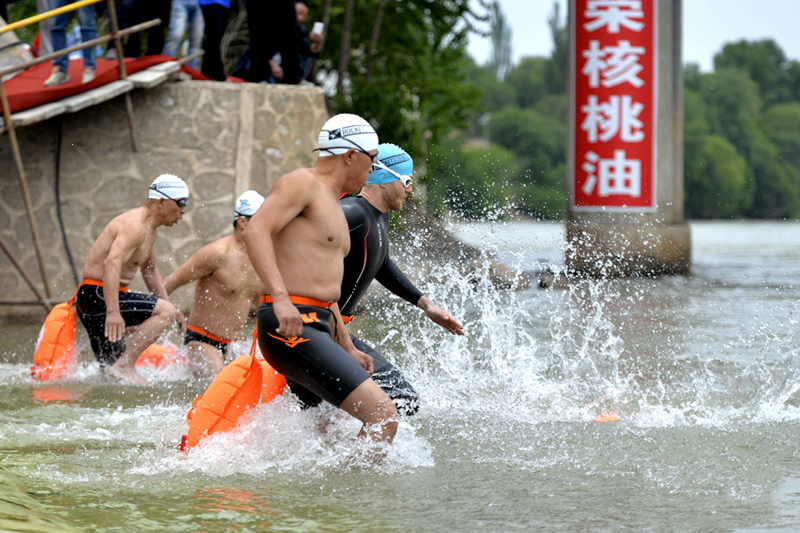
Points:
(702, 370)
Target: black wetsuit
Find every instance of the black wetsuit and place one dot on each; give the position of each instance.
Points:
(368, 259)
(313, 363)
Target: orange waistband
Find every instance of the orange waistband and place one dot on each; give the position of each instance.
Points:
(96, 283)
(347, 319)
(208, 334)
(300, 300)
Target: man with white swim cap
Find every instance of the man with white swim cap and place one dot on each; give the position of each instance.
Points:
(297, 243)
(104, 304)
(367, 217)
(226, 288)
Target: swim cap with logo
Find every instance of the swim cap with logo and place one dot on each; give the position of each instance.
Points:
(345, 132)
(247, 204)
(394, 158)
(168, 186)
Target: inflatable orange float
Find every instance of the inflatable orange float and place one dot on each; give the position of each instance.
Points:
(272, 383)
(159, 356)
(235, 390)
(238, 387)
(55, 348)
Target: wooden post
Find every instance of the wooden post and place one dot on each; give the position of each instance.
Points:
(23, 181)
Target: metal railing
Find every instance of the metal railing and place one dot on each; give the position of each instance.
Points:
(115, 35)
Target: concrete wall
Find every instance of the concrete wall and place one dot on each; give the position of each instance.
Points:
(221, 138)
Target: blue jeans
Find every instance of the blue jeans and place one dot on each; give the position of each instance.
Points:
(184, 11)
(58, 33)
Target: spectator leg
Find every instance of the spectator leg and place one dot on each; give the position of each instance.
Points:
(177, 27)
(216, 19)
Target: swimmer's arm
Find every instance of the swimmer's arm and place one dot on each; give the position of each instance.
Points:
(391, 277)
(121, 250)
(289, 196)
(155, 284)
(152, 277)
(343, 339)
(201, 264)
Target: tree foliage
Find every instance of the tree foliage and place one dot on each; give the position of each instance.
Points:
(751, 102)
(413, 88)
(501, 43)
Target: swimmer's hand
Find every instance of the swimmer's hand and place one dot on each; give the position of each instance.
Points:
(180, 319)
(115, 326)
(290, 323)
(442, 318)
(362, 359)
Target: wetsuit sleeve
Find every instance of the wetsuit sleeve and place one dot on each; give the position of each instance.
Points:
(391, 277)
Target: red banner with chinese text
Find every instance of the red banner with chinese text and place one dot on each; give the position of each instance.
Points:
(614, 105)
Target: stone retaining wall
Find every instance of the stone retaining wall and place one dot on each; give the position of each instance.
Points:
(222, 138)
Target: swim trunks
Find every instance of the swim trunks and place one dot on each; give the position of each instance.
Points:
(90, 306)
(313, 360)
(193, 333)
(387, 377)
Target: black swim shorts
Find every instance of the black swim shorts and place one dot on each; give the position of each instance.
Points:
(134, 307)
(193, 333)
(313, 360)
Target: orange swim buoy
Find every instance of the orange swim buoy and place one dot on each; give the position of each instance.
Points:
(272, 384)
(159, 356)
(235, 390)
(55, 348)
(608, 416)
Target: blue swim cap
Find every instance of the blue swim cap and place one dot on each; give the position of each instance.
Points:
(396, 159)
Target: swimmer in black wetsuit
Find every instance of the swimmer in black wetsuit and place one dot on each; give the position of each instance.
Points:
(368, 219)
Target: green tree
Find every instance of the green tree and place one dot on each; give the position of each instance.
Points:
(766, 64)
(496, 94)
(733, 107)
(777, 187)
(556, 71)
(416, 90)
(473, 180)
(528, 80)
(716, 181)
(539, 142)
(782, 124)
(500, 62)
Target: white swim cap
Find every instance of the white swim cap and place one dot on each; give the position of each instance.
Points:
(247, 204)
(345, 132)
(168, 186)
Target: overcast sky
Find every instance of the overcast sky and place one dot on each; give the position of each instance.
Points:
(707, 25)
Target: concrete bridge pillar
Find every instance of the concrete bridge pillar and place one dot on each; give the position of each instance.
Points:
(625, 213)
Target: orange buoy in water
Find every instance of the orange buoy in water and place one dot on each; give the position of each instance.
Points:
(272, 384)
(608, 416)
(55, 348)
(236, 389)
(159, 356)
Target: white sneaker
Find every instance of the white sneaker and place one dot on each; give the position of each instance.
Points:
(88, 75)
(56, 78)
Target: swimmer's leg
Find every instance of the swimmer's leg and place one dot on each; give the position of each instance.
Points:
(375, 409)
(391, 380)
(147, 332)
(205, 360)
